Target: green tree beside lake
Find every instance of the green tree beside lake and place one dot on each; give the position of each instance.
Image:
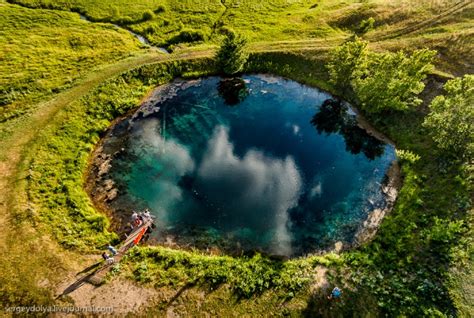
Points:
(345, 59)
(451, 120)
(380, 81)
(232, 54)
(391, 81)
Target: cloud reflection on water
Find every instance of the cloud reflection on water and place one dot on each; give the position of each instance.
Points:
(174, 161)
(255, 190)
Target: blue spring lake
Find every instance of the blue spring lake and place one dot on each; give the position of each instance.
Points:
(252, 163)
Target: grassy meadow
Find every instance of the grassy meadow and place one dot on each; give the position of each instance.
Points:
(44, 52)
(63, 81)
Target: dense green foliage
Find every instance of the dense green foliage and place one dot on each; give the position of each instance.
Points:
(345, 59)
(365, 26)
(451, 120)
(391, 81)
(44, 51)
(232, 55)
(246, 276)
(380, 81)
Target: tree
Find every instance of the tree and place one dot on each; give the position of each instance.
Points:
(232, 54)
(451, 120)
(344, 60)
(391, 81)
(380, 81)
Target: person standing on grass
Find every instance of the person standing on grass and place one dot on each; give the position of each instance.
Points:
(335, 294)
(112, 250)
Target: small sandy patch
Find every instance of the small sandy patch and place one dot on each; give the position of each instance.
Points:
(320, 280)
(122, 295)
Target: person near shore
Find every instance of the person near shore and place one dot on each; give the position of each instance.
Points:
(137, 222)
(112, 250)
(107, 258)
(146, 214)
(336, 293)
(134, 216)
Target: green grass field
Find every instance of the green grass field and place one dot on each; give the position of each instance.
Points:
(44, 52)
(63, 81)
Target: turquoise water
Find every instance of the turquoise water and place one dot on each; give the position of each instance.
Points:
(258, 162)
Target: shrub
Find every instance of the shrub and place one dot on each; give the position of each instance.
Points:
(187, 36)
(225, 30)
(232, 55)
(148, 15)
(124, 20)
(365, 26)
(451, 120)
(392, 81)
(160, 9)
(407, 156)
(380, 81)
(344, 60)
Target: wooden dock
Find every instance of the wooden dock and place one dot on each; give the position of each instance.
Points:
(133, 239)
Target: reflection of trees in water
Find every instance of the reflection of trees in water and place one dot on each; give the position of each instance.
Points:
(232, 90)
(333, 117)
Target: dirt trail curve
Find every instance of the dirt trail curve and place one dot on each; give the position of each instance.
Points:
(457, 7)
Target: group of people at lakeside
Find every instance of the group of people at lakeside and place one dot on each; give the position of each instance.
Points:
(137, 219)
(140, 217)
(109, 259)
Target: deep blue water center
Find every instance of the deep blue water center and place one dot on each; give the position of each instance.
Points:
(258, 162)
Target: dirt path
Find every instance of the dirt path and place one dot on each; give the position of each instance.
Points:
(454, 9)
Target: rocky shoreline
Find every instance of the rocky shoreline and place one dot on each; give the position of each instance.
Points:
(390, 189)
